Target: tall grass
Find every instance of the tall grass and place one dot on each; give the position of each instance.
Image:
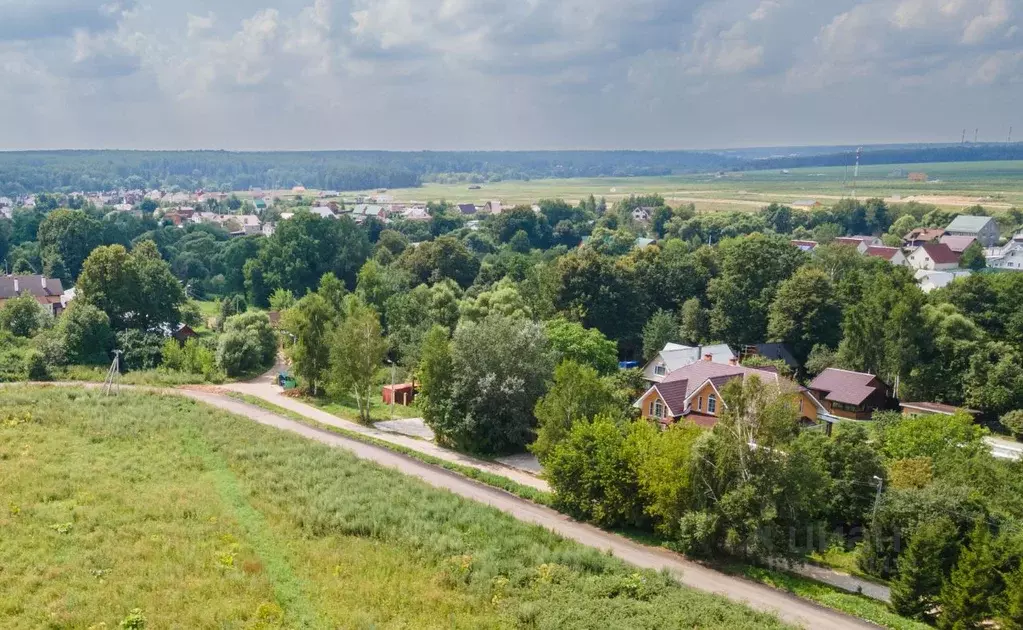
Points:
(201, 519)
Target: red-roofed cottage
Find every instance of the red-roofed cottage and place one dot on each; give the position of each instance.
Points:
(893, 255)
(933, 257)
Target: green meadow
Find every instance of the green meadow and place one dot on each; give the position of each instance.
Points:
(160, 512)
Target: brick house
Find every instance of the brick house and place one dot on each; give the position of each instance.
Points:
(693, 393)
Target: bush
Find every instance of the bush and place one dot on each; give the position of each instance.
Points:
(22, 316)
(247, 345)
(84, 334)
(192, 358)
(36, 368)
(1013, 421)
(139, 350)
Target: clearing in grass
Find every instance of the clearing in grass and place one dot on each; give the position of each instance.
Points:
(159, 507)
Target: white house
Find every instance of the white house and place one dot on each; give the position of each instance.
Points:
(1009, 256)
(675, 356)
(894, 255)
(984, 229)
(933, 257)
(931, 280)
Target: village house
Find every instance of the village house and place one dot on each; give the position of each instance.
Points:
(771, 352)
(694, 393)
(492, 207)
(984, 229)
(933, 257)
(957, 244)
(467, 209)
(922, 236)
(674, 356)
(931, 280)
(894, 255)
(849, 395)
(1009, 256)
(861, 243)
(46, 291)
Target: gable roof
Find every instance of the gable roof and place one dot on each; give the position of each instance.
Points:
(804, 245)
(924, 234)
(467, 208)
(968, 223)
(683, 383)
(958, 244)
(843, 386)
(940, 253)
(886, 253)
(777, 352)
(675, 356)
(13, 286)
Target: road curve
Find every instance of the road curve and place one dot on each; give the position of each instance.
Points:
(788, 607)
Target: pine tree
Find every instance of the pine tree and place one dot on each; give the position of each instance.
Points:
(922, 569)
(967, 597)
(1012, 615)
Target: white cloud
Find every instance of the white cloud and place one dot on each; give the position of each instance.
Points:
(492, 73)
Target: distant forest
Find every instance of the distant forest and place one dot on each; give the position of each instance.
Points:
(88, 171)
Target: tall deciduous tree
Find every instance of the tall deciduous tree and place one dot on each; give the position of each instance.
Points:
(695, 323)
(752, 268)
(135, 290)
(660, 329)
(587, 346)
(577, 394)
(500, 367)
(310, 321)
(357, 350)
(805, 313)
(66, 238)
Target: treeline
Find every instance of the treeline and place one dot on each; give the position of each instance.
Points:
(70, 171)
(906, 155)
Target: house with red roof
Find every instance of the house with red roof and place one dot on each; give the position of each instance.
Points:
(693, 393)
(933, 257)
(893, 255)
(848, 395)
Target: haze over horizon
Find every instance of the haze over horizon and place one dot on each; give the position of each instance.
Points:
(515, 75)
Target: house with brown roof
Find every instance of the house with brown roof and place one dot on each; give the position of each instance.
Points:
(694, 393)
(922, 236)
(933, 257)
(46, 291)
(849, 395)
(893, 255)
(805, 246)
(861, 243)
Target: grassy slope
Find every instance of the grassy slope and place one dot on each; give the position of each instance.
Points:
(202, 519)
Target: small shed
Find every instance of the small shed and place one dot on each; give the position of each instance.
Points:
(400, 394)
(183, 333)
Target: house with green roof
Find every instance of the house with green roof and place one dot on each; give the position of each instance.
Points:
(984, 229)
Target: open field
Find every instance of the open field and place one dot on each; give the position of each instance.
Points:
(196, 518)
(997, 185)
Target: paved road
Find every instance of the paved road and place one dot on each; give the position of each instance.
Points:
(265, 388)
(789, 608)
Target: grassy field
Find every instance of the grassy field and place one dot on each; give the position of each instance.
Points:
(998, 185)
(142, 506)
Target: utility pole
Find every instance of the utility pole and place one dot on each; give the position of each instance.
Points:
(112, 384)
(963, 141)
(877, 498)
(975, 133)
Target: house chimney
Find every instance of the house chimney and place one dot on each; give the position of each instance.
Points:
(708, 357)
(43, 278)
(733, 361)
(15, 286)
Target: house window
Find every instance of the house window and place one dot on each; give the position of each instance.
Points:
(658, 409)
(660, 370)
(651, 408)
(712, 404)
(699, 403)
(800, 404)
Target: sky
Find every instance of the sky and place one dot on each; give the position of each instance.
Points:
(505, 74)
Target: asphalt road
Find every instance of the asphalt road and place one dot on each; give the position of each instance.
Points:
(788, 607)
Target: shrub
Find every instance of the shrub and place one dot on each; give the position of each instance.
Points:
(83, 331)
(238, 353)
(1013, 421)
(140, 350)
(36, 368)
(22, 316)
